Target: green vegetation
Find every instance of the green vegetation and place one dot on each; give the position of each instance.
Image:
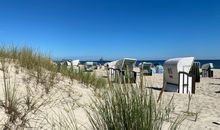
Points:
(37, 63)
(87, 78)
(19, 109)
(126, 107)
(26, 57)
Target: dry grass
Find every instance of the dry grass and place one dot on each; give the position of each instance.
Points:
(37, 63)
(87, 78)
(20, 110)
(126, 107)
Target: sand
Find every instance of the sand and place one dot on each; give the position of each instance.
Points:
(205, 102)
(66, 99)
(71, 98)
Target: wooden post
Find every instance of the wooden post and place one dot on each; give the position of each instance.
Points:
(193, 85)
(162, 90)
(141, 79)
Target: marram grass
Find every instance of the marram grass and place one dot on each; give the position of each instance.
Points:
(36, 61)
(126, 107)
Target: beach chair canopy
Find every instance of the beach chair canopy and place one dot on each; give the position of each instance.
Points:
(89, 63)
(67, 63)
(207, 66)
(75, 62)
(146, 65)
(172, 67)
(126, 64)
(111, 65)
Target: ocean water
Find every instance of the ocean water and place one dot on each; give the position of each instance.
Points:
(161, 62)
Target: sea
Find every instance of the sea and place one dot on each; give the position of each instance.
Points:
(216, 63)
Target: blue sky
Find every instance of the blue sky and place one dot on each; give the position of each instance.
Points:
(90, 29)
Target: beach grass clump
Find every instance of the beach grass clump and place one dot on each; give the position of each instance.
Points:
(87, 78)
(127, 107)
(20, 110)
(10, 104)
(37, 62)
(26, 57)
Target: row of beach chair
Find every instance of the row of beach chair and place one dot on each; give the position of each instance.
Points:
(179, 74)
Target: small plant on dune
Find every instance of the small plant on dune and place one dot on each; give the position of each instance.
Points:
(11, 106)
(19, 110)
(52, 78)
(27, 58)
(11, 101)
(190, 113)
(49, 80)
(177, 122)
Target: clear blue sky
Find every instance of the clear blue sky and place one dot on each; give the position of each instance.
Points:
(148, 29)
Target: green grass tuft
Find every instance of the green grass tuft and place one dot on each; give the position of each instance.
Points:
(126, 107)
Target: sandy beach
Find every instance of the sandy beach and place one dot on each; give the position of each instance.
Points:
(72, 98)
(205, 102)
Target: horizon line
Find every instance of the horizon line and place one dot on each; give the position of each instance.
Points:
(139, 59)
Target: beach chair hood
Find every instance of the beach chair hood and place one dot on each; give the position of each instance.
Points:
(112, 64)
(126, 63)
(75, 62)
(172, 67)
(207, 66)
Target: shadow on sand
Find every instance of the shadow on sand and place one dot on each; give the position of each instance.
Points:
(217, 91)
(213, 84)
(155, 88)
(216, 123)
(215, 78)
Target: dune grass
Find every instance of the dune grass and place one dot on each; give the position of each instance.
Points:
(38, 62)
(26, 57)
(19, 109)
(87, 78)
(126, 107)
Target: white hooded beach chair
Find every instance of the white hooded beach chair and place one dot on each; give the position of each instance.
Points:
(207, 70)
(124, 70)
(146, 68)
(75, 64)
(89, 66)
(66, 63)
(111, 69)
(177, 77)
